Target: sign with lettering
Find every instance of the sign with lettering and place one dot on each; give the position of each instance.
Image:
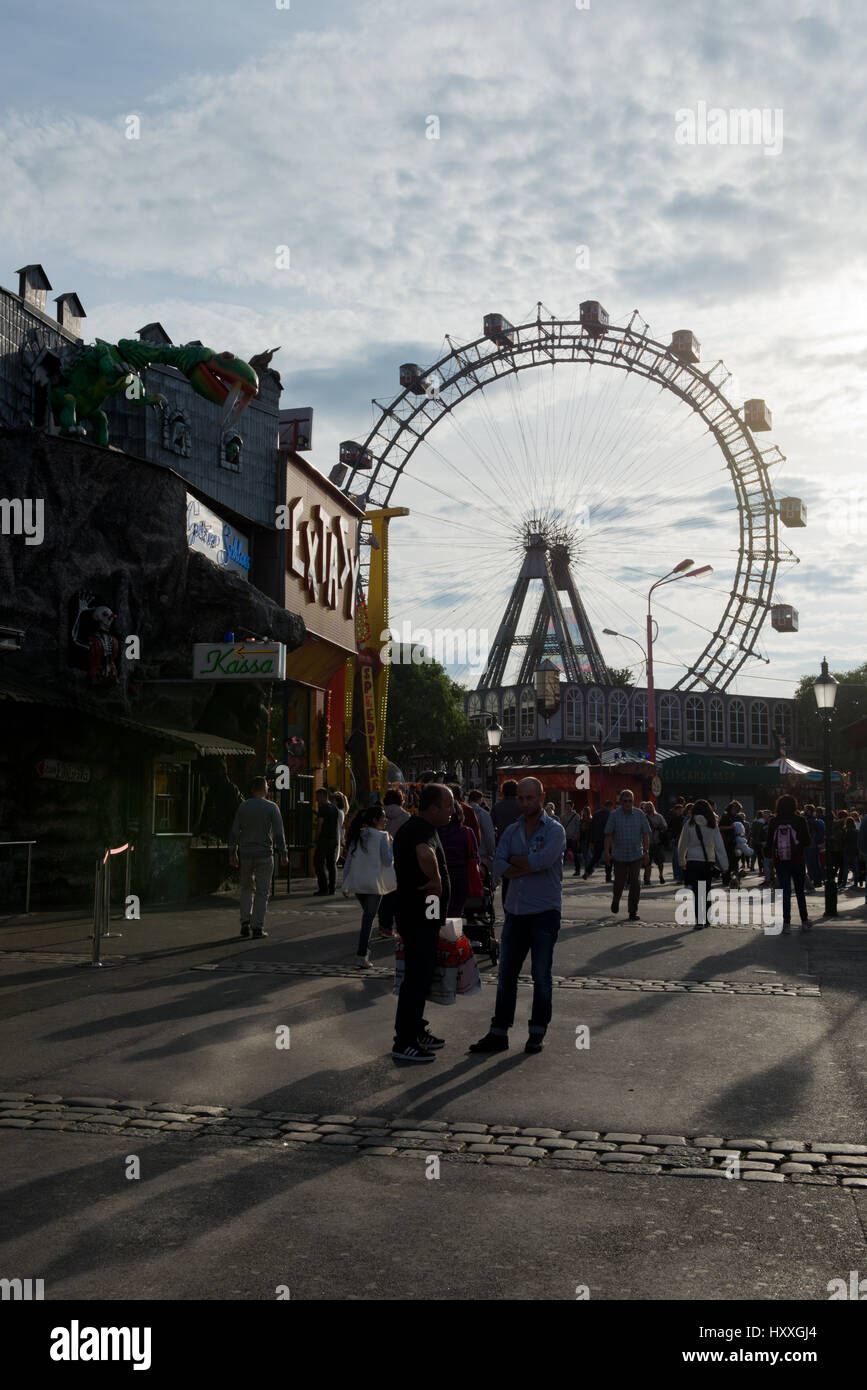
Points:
(62, 772)
(320, 555)
(239, 661)
(210, 535)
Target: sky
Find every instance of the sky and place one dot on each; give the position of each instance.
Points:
(282, 189)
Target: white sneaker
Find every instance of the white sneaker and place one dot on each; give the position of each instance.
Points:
(363, 963)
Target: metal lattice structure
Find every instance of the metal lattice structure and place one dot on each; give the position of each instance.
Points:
(416, 410)
(546, 558)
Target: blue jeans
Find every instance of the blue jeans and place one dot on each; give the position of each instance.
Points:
(850, 861)
(791, 871)
(814, 868)
(535, 932)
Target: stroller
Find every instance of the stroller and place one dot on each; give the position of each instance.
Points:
(479, 919)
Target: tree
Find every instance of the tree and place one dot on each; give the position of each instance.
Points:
(621, 675)
(849, 707)
(425, 714)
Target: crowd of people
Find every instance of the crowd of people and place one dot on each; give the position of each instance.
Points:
(414, 862)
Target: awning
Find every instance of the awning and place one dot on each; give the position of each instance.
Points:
(789, 768)
(206, 744)
(22, 692)
(696, 769)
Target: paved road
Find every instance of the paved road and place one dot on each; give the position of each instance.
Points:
(766, 1059)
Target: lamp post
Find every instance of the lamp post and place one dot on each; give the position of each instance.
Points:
(610, 632)
(493, 733)
(682, 571)
(825, 690)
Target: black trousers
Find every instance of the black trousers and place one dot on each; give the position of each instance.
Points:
(325, 866)
(420, 957)
(598, 852)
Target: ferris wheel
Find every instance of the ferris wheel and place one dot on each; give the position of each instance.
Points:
(626, 469)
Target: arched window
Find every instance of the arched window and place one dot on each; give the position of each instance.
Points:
(639, 713)
(759, 724)
(528, 714)
(510, 727)
(475, 777)
(459, 771)
(717, 721)
(595, 714)
(492, 705)
(618, 706)
(694, 719)
(783, 723)
(737, 722)
(669, 719)
(474, 709)
(574, 714)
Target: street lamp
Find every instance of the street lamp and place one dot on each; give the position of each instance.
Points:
(609, 632)
(682, 571)
(493, 733)
(825, 690)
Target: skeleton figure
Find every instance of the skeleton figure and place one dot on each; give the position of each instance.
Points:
(101, 647)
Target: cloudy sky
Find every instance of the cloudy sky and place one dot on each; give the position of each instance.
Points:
(306, 127)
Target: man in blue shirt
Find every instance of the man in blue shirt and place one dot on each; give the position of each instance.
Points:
(627, 844)
(529, 859)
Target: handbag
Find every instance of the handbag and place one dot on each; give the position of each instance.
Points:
(715, 870)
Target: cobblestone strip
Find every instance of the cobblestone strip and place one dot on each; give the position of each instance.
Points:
(605, 982)
(66, 958)
(670, 925)
(774, 1158)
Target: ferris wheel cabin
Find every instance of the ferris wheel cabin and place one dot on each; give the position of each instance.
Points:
(784, 618)
(594, 319)
(756, 416)
(793, 512)
(499, 330)
(413, 379)
(352, 455)
(685, 346)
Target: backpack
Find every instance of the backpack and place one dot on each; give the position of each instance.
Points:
(784, 841)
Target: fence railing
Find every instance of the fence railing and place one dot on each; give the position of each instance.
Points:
(102, 896)
(29, 844)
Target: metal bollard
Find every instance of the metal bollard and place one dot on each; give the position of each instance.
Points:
(108, 931)
(97, 914)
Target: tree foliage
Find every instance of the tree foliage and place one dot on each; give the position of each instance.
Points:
(621, 675)
(426, 717)
(849, 707)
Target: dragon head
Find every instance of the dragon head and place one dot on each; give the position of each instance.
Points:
(226, 380)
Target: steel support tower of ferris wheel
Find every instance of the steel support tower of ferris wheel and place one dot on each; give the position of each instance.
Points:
(375, 473)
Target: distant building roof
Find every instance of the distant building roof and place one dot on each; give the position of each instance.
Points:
(154, 333)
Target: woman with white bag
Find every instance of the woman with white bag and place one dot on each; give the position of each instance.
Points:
(368, 872)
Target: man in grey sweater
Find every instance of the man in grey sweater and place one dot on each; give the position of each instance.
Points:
(257, 831)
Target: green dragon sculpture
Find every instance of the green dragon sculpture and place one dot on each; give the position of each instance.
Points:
(88, 376)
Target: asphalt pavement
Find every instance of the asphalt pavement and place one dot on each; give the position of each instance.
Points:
(279, 1145)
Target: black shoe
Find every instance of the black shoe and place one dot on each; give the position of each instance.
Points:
(320, 893)
(634, 917)
(491, 1042)
(427, 1040)
(257, 935)
(615, 907)
(534, 1043)
(245, 928)
(412, 1053)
